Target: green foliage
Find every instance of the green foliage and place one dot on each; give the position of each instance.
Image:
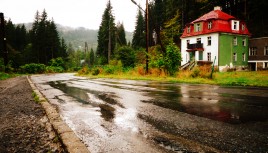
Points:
(172, 58)
(33, 68)
(84, 70)
(195, 72)
(127, 56)
(96, 71)
(57, 62)
(54, 69)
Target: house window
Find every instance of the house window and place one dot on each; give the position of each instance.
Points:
(209, 41)
(188, 29)
(234, 57)
(209, 56)
(243, 57)
(188, 43)
(266, 50)
(252, 51)
(244, 42)
(235, 25)
(198, 27)
(210, 25)
(198, 40)
(243, 27)
(235, 41)
(265, 64)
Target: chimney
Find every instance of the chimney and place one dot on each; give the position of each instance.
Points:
(217, 8)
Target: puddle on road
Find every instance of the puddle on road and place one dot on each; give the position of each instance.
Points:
(230, 106)
(101, 100)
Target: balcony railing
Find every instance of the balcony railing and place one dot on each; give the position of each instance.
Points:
(195, 46)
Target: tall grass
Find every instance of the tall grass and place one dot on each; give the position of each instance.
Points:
(199, 75)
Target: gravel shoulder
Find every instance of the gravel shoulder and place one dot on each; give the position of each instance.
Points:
(24, 126)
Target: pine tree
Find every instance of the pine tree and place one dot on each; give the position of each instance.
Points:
(121, 35)
(138, 39)
(106, 34)
(91, 57)
(46, 43)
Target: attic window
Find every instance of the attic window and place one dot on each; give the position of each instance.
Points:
(188, 29)
(197, 27)
(210, 25)
(243, 27)
(235, 25)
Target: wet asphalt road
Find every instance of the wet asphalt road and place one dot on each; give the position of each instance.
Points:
(143, 116)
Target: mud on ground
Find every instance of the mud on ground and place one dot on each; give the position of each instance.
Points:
(24, 126)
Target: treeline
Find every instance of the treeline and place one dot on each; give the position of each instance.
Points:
(39, 45)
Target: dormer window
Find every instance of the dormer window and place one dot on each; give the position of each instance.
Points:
(235, 25)
(197, 27)
(188, 29)
(210, 25)
(243, 27)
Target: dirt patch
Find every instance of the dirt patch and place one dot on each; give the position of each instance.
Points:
(24, 126)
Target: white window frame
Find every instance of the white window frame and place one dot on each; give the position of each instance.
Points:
(209, 56)
(266, 50)
(198, 27)
(252, 51)
(198, 40)
(188, 29)
(235, 25)
(265, 64)
(209, 41)
(243, 27)
(234, 57)
(235, 41)
(244, 57)
(210, 25)
(244, 42)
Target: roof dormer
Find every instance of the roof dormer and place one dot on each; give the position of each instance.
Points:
(235, 25)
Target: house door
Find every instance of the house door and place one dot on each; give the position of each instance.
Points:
(200, 56)
(192, 56)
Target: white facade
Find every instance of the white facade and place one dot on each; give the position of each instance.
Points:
(212, 49)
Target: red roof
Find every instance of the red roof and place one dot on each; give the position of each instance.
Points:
(220, 23)
(215, 14)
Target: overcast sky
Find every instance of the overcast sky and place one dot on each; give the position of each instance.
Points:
(73, 13)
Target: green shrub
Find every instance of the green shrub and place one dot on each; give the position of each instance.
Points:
(127, 56)
(84, 70)
(109, 69)
(54, 69)
(57, 62)
(96, 71)
(33, 68)
(195, 72)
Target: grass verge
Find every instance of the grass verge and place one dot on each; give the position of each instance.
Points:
(252, 78)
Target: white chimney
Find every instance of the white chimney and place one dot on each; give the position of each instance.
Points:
(217, 8)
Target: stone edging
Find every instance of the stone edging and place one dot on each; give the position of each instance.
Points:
(68, 138)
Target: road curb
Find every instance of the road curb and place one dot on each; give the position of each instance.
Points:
(70, 141)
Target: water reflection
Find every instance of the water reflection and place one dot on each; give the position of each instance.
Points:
(229, 105)
(89, 97)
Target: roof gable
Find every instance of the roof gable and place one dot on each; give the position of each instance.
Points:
(215, 14)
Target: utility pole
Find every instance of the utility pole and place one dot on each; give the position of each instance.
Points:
(146, 30)
(3, 37)
(147, 36)
(109, 43)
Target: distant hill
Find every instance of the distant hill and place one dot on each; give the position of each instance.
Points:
(78, 36)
